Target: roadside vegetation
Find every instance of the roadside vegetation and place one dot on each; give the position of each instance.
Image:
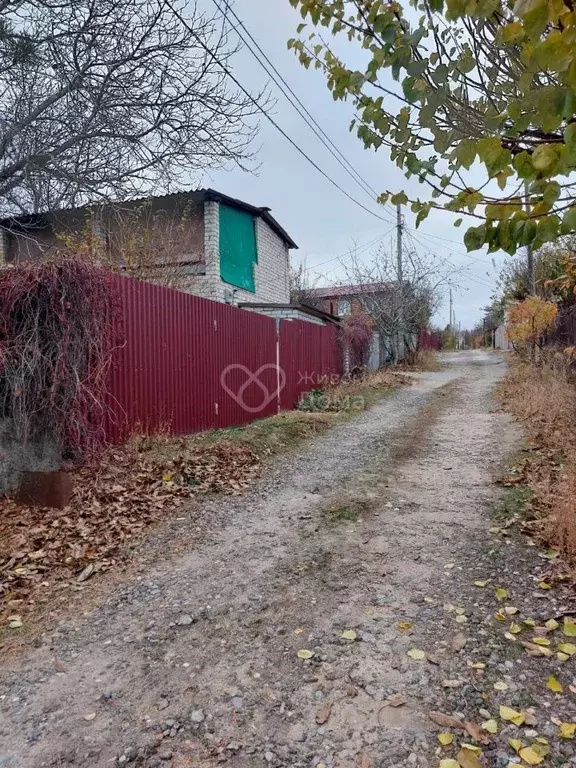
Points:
(543, 397)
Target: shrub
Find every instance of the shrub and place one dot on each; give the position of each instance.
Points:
(58, 327)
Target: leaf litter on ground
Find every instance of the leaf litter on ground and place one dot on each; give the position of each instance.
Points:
(111, 506)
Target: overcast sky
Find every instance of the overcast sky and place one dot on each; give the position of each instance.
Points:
(323, 222)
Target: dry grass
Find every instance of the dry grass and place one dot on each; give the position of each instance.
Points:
(276, 434)
(543, 398)
(423, 360)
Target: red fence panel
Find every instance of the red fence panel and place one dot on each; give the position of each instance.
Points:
(187, 364)
(309, 355)
(429, 339)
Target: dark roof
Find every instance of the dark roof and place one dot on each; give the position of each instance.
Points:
(42, 218)
(263, 212)
(339, 291)
(299, 307)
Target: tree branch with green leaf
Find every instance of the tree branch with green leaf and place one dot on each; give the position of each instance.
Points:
(457, 86)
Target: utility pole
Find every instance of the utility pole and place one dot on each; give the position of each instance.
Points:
(529, 250)
(450, 321)
(400, 271)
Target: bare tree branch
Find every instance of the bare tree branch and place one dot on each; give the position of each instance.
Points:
(111, 98)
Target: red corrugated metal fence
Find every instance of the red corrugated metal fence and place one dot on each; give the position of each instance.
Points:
(309, 357)
(187, 364)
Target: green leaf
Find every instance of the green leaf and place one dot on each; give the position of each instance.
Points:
(523, 165)
(399, 199)
(547, 228)
(569, 221)
(544, 157)
(466, 152)
(551, 193)
(536, 19)
(474, 238)
(570, 136)
(528, 232)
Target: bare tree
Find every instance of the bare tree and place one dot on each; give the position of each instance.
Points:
(302, 287)
(101, 99)
(398, 308)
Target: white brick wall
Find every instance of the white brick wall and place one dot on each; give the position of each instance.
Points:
(286, 314)
(270, 273)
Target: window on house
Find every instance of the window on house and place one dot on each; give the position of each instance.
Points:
(343, 307)
(238, 252)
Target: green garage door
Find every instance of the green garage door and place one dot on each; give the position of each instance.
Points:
(237, 248)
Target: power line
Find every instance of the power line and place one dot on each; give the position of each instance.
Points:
(429, 236)
(472, 278)
(291, 96)
(360, 249)
(261, 109)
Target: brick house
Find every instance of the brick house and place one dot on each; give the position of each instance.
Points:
(214, 245)
(367, 299)
(341, 300)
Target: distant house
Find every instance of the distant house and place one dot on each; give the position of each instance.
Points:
(367, 299)
(202, 242)
(341, 300)
(385, 304)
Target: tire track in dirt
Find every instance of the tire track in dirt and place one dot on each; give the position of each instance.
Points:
(196, 664)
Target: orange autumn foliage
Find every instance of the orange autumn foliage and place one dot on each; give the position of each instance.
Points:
(529, 320)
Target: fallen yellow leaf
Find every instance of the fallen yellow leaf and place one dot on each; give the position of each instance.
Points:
(529, 622)
(544, 585)
(567, 730)
(551, 624)
(416, 654)
(510, 610)
(541, 641)
(569, 627)
(480, 583)
(568, 648)
(507, 713)
(461, 619)
(562, 656)
(531, 756)
(554, 684)
(500, 616)
(508, 636)
(491, 726)
(515, 628)
(541, 740)
(516, 744)
(500, 685)
(445, 738)
(478, 665)
(501, 593)
(449, 764)
(467, 757)
(471, 748)
(304, 654)
(404, 625)
(348, 634)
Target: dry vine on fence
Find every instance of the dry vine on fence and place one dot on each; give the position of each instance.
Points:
(58, 327)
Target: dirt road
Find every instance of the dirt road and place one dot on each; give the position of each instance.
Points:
(371, 528)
